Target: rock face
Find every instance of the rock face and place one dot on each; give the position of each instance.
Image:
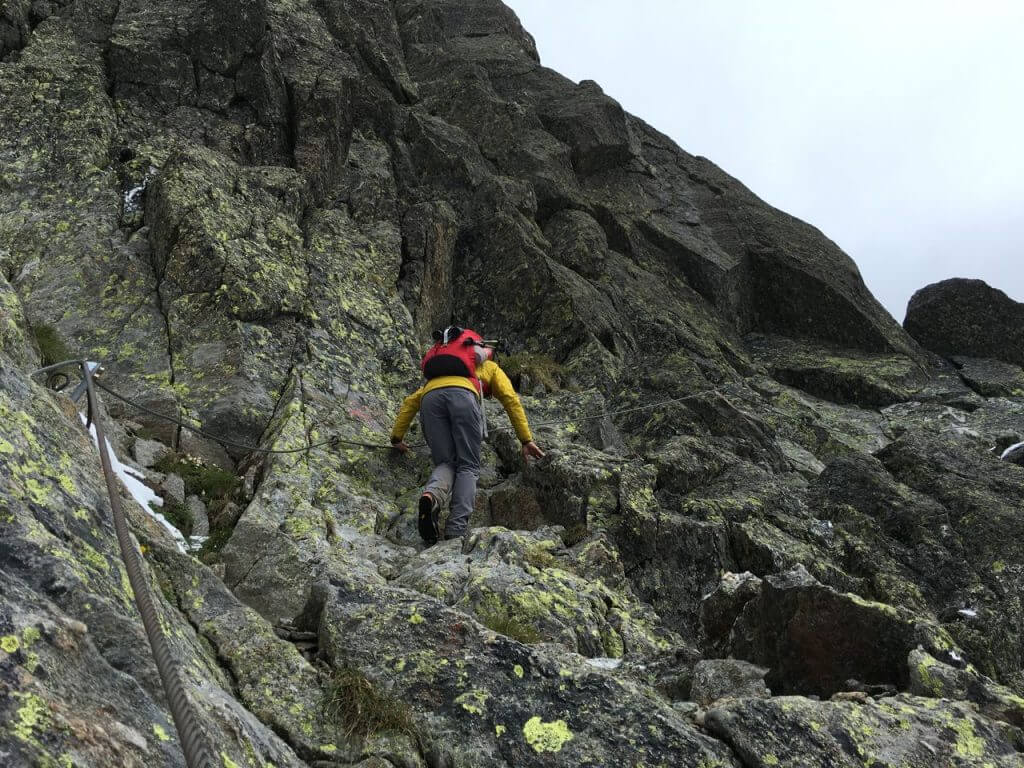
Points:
(967, 317)
(254, 213)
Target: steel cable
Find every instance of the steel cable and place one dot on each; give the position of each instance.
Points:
(193, 743)
(360, 443)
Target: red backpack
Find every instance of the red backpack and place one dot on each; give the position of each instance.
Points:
(455, 353)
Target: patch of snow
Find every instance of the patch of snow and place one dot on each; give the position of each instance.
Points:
(130, 202)
(956, 657)
(602, 662)
(1011, 449)
(195, 543)
(142, 493)
(970, 613)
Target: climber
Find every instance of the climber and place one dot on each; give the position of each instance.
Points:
(460, 370)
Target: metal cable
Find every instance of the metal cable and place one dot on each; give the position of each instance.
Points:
(621, 411)
(193, 743)
(359, 443)
(345, 441)
(232, 443)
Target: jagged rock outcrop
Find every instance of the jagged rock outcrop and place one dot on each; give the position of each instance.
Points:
(255, 213)
(967, 317)
(901, 730)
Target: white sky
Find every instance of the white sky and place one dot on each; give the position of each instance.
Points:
(897, 128)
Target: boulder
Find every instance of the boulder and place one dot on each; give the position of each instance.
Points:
(991, 378)
(931, 677)
(148, 452)
(814, 638)
(1014, 454)
(720, 608)
(200, 517)
(173, 488)
(967, 317)
(718, 679)
(527, 586)
(492, 701)
(793, 732)
(845, 376)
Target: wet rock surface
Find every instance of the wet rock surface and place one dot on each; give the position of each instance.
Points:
(255, 213)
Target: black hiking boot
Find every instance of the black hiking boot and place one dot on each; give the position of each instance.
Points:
(428, 519)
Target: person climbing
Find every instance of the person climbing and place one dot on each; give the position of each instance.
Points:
(460, 371)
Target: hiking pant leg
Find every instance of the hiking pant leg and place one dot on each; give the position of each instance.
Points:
(438, 433)
(467, 433)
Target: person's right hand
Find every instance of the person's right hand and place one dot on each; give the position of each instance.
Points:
(401, 446)
(532, 450)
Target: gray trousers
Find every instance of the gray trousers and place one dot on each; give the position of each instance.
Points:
(453, 426)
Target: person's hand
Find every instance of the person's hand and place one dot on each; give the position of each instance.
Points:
(399, 445)
(532, 450)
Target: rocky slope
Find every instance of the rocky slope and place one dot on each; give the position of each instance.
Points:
(254, 211)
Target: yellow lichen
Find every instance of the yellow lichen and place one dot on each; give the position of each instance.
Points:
(546, 737)
(32, 715)
(474, 701)
(968, 744)
(160, 733)
(9, 643)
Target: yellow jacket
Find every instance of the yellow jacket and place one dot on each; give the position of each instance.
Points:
(490, 375)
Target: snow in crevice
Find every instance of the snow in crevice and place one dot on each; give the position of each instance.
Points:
(142, 493)
(1010, 450)
(131, 198)
(603, 662)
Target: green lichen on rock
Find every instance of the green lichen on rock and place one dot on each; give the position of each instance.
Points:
(546, 737)
(502, 621)
(902, 728)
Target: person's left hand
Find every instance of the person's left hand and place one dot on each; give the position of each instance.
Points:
(532, 450)
(401, 446)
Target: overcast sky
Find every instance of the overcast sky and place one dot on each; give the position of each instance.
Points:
(897, 128)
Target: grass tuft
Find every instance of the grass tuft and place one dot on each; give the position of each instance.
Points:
(208, 553)
(213, 485)
(362, 707)
(209, 483)
(178, 515)
(52, 348)
(504, 623)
